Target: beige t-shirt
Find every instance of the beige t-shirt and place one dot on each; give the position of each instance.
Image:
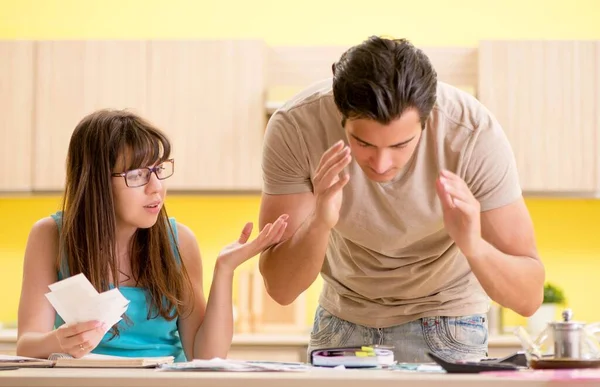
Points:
(389, 259)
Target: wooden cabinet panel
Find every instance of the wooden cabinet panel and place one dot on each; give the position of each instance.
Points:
(74, 78)
(597, 113)
(258, 313)
(546, 96)
(208, 97)
(16, 124)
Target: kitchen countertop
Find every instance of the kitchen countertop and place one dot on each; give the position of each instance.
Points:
(289, 340)
(64, 377)
(8, 335)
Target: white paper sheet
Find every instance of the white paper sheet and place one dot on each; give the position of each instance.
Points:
(75, 300)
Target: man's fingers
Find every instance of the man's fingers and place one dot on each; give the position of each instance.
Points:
(338, 185)
(328, 177)
(335, 148)
(456, 189)
(444, 196)
(327, 163)
(449, 175)
(463, 207)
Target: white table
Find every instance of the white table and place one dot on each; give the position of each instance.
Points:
(40, 377)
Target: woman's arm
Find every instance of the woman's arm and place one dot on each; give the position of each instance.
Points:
(36, 315)
(207, 332)
(190, 323)
(36, 334)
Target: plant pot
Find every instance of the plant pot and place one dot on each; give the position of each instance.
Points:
(540, 319)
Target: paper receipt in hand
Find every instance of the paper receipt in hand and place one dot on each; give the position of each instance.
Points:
(76, 300)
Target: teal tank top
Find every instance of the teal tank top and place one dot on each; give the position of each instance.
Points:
(141, 337)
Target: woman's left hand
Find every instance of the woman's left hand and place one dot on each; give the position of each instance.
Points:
(239, 252)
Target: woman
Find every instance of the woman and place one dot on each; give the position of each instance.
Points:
(114, 229)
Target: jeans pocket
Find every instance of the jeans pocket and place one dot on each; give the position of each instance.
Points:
(457, 338)
(468, 330)
(329, 330)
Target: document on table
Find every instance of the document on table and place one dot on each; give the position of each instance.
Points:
(76, 300)
(9, 362)
(229, 365)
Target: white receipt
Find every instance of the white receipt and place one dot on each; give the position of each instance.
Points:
(76, 300)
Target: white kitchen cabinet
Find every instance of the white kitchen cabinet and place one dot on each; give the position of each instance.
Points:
(206, 95)
(546, 95)
(16, 122)
(209, 98)
(74, 78)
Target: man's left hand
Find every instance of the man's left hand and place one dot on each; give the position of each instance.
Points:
(461, 212)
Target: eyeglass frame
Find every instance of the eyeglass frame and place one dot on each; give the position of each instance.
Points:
(151, 169)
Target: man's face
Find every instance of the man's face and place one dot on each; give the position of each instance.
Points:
(383, 150)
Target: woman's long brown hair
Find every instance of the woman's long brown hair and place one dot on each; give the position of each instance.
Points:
(88, 241)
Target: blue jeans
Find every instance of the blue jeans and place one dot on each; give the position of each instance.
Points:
(454, 338)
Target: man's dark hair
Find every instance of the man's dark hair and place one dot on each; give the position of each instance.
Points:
(381, 78)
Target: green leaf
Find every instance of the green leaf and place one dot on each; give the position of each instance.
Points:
(553, 294)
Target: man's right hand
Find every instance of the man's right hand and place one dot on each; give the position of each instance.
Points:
(328, 184)
(80, 339)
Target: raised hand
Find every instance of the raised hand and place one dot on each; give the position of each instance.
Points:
(80, 339)
(240, 251)
(328, 184)
(461, 212)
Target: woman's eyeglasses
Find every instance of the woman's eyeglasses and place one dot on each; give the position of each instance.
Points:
(141, 176)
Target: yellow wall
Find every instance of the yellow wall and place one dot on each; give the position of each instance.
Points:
(567, 230)
(433, 22)
(216, 221)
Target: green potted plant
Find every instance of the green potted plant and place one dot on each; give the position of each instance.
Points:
(553, 297)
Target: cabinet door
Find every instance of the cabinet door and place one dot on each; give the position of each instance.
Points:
(596, 108)
(208, 97)
(74, 78)
(546, 96)
(16, 122)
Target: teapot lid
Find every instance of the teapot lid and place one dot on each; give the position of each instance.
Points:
(567, 315)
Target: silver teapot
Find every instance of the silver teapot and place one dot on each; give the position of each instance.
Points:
(566, 339)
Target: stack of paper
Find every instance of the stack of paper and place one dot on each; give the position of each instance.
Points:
(76, 300)
(93, 360)
(7, 361)
(228, 365)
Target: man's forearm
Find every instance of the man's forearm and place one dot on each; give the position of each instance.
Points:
(289, 268)
(515, 282)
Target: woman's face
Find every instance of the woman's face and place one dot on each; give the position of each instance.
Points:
(139, 194)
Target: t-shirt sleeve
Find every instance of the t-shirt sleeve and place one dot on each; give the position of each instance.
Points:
(285, 164)
(491, 172)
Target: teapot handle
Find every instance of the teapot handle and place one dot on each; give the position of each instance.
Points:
(530, 346)
(593, 328)
(592, 344)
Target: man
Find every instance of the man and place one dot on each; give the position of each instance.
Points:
(403, 193)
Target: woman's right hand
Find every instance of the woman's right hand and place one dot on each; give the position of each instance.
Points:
(238, 252)
(80, 339)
